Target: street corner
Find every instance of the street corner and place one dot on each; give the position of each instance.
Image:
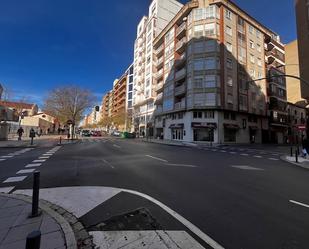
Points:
(121, 218)
(300, 161)
(17, 225)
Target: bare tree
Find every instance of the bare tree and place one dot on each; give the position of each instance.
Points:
(68, 103)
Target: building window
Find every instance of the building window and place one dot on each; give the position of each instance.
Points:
(229, 47)
(259, 62)
(198, 14)
(252, 60)
(258, 47)
(228, 14)
(258, 34)
(230, 98)
(229, 81)
(130, 95)
(210, 99)
(198, 47)
(233, 116)
(210, 29)
(131, 87)
(210, 81)
(251, 29)
(228, 30)
(210, 114)
(198, 64)
(210, 63)
(226, 115)
(198, 31)
(229, 63)
(211, 46)
(197, 115)
(198, 82)
(251, 44)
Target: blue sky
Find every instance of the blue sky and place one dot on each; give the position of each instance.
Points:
(48, 43)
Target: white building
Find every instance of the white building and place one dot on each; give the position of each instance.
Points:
(161, 12)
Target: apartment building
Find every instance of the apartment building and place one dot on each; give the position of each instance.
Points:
(1, 91)
(160, 14)
(302, 17)
(212, 60)
(294, 90)
(297, 119)
(119, 102)
(105, 105)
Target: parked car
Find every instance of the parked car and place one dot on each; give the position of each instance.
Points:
(96, 134)
(86, 133)
(116, 133)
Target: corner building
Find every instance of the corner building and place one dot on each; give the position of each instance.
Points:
(211, 65)
(160, 14)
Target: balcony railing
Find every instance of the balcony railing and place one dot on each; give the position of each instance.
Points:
(159, 86)
(159, 73)
(159, 49)
(180, 90)
(159, 99)
(180, 74)
(180, 105)
(180, 29)
(160, 62)
(180, 44)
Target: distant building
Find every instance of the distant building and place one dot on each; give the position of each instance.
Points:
(302, 17)
(16, 110)
(297, 120)
(1, 91)
(119, 102)
(294, 89)
(41, 122)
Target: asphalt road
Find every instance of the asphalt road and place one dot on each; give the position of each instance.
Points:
(241, 198)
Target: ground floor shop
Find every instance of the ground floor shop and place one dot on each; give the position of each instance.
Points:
(211, 126)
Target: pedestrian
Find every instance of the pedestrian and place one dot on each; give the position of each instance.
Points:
(304, 153)
(20, 132)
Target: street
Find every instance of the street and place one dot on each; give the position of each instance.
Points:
(240, 198)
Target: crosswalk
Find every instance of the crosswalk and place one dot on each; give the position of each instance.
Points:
(96, 140)
(245, 152)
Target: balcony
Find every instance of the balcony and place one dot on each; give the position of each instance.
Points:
(180, 105)
(159, 87)
(180, 45)
(160, 62)
(181, 74)
(180, 62)
(159, 99)
(159, 74)
(180, 90)
(181, 30)
(159, 50)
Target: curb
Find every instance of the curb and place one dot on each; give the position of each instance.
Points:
(69, 235)
(283, 158)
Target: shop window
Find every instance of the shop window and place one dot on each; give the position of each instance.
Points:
(197, 114)
(229, 135)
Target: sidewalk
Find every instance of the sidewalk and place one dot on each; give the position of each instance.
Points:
(15, 225)
(169, 142)
(302, 162)
(38, 141)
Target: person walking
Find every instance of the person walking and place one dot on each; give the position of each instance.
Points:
(20, 132)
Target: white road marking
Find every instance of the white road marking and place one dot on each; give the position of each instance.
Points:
(299, 203)
(258, 156)
(109, 164)
(157, 158)
(244, 154)
(6, 156)
(1, 159)
(223, 151)
(48, 154)
(6, 190)
(274, 159)
(214, 150)
(33, 165)
(275, 154)
(84, 199)
(15, 179)
(245, 167)
(232, 152)
(181, 165)
(39, 161)
(117, 146)
(43, 157)
(25, 171)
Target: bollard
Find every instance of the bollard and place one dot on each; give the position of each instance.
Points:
(33, 240)
(35, 195)
(60, 140)
(296, 156)
(291, 151)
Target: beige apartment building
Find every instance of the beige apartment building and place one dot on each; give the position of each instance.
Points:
(294, 89)
(160, 14)
(211, 63)
(302, 17)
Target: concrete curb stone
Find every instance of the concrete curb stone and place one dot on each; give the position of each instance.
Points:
(283, 158)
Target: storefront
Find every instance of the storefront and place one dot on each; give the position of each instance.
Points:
(203, 131)
(230, 132)
(177, 131)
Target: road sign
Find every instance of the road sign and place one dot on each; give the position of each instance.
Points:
(301, 127)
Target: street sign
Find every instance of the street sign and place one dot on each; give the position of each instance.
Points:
(69, 122)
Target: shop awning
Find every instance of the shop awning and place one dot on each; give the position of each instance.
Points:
(254, 128)
(204, 125)
(231, 126)
(176, 126)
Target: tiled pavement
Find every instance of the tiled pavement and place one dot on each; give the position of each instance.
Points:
(15, 225)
